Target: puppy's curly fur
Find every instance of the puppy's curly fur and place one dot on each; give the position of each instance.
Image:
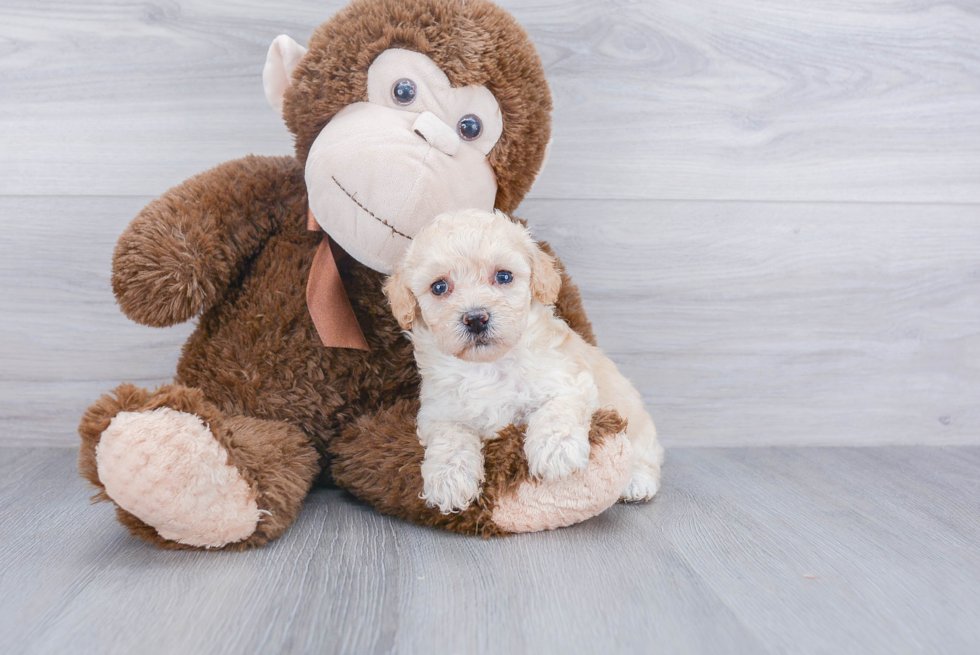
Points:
(477, 294)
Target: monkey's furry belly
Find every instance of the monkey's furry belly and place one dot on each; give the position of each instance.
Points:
(257, 352)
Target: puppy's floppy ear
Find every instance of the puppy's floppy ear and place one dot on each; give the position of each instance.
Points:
(545, 278)
(401, 298)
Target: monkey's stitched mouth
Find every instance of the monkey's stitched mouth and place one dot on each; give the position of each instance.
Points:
(368, 211)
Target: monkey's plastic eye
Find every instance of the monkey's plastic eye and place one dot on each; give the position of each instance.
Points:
(504, 277)
(469, 127)
(404, 92)
(439, 287)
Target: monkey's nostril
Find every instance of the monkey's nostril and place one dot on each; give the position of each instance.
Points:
(436, 133)
(476, 320)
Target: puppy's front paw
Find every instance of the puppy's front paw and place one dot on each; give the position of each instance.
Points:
(557, 452)
(643, 486)
(451, 484)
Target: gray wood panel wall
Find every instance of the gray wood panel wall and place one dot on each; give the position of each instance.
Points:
(772, 208)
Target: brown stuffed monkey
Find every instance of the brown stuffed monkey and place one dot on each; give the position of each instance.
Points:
(297, 371)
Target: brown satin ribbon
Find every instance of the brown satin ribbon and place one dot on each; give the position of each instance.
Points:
(326, 298)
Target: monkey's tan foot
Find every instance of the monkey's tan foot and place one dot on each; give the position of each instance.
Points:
(167, 469)
(534, 505)
(184, 475)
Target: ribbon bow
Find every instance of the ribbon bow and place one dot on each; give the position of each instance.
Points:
(326, 298)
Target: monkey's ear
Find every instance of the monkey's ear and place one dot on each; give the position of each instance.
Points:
(402, 300)
(545, 278)
(284, 54)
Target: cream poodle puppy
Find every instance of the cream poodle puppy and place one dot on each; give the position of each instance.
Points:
(477, 294)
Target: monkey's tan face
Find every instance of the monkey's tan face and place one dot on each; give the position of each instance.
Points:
(382, 169)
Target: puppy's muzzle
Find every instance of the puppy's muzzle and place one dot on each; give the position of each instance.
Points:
(476, 321)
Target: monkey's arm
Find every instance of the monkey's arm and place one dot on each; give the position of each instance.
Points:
(181, 252)
(569, 304)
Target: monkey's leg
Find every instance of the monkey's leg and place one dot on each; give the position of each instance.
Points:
(535, 505)
(378, 458)
(184, 475)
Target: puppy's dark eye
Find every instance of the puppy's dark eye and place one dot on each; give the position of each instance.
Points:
(439, 287)
(504, 277)
(404, 92)
(469, 127)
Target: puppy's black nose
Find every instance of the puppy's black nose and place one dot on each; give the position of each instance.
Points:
(476, 320)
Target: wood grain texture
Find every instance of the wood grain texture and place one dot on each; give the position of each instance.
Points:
(784, 323)
(64, 340)
(867, 100)
(746, 551)
(741, 323)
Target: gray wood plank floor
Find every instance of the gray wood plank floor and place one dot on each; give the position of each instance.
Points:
(831, 550)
